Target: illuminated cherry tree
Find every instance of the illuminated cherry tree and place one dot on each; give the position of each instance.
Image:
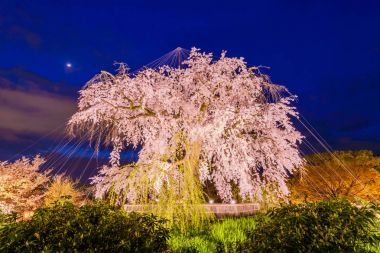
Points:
(241, 119)
(22, 184)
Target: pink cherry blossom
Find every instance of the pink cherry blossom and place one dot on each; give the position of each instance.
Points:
(242, 120)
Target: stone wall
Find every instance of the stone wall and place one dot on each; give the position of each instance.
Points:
(233, 209)
(219, 210)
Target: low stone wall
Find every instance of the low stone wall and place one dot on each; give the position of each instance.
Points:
(219, 210)
(233, 209)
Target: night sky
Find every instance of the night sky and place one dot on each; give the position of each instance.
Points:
(326, 52)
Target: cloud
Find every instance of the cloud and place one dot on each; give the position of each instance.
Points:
(33, 112)
(17, 24)
(344, 109)
(30, 104)
(31, 38)
(20, 79)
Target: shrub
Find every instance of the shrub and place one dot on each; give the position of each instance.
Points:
(90, 228)
(6, 218)
(329, 226)
(62, 188)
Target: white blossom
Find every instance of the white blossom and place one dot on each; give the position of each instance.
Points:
(22, 184)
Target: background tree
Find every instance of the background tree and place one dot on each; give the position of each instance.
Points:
(22, 184)
(350, 174)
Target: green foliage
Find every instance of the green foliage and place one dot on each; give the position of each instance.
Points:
(376, 246)
(7, 218)
(180, 200)
(180, 196)
(229, 235)
(63, 187)
(90, 228)
(186, 243)
(329, 226)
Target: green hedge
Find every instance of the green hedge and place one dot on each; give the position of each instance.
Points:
(326, 226)
(90, 228)
(6, 219)
(330, 226)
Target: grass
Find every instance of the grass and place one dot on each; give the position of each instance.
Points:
(228, 235)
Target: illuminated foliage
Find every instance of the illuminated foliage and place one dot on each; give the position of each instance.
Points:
(351, 174)
(22, 185)
(62, 188)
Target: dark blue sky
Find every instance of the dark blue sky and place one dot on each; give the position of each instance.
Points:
(326, 52)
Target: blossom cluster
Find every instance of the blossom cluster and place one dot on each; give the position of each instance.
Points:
(22, 184)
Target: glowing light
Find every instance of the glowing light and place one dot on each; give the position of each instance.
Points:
(27, 215)
(69, 65)
(211, 201)
(233, 202)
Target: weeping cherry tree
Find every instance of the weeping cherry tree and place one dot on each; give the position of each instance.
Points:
(224, 122)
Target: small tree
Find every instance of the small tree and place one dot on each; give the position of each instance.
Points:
(62, 188)
(350, 174)
(22, 185)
